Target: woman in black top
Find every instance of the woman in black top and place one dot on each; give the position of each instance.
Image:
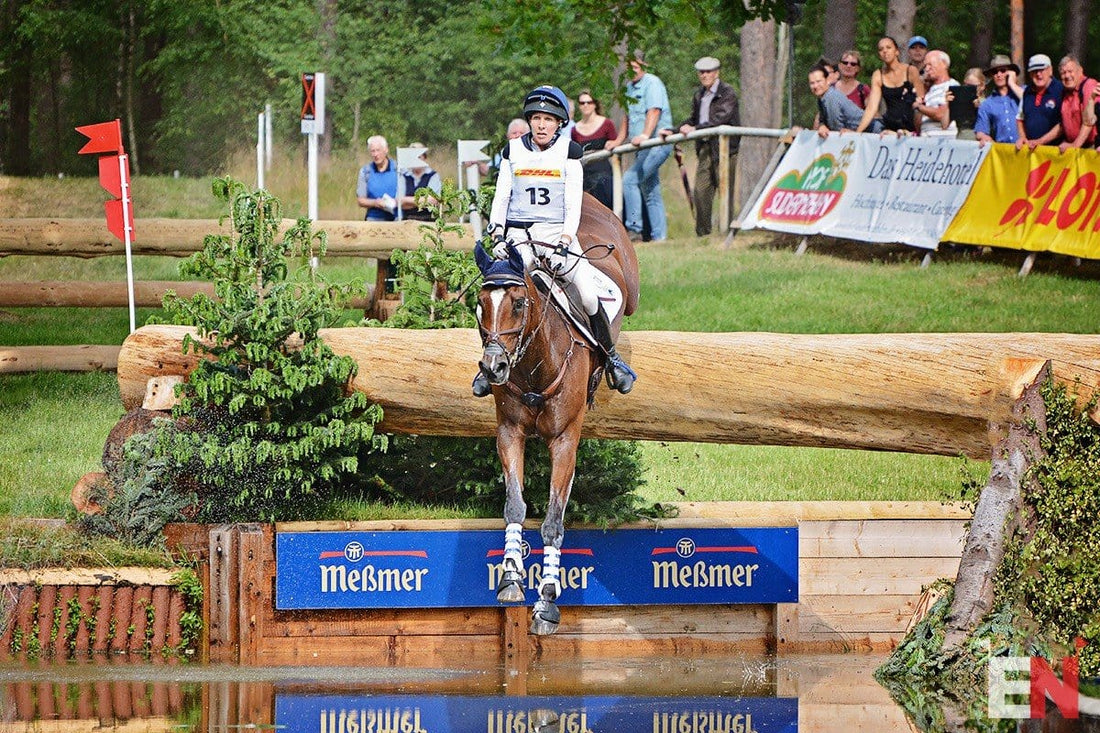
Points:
(897, 86)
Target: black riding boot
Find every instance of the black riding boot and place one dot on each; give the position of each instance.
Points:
(619, 374)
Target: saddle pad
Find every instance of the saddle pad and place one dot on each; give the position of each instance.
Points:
(549, 286)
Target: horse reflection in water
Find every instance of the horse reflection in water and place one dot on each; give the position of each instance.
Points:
(544, 374)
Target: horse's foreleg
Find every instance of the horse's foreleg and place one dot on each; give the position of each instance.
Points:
(545, 616)
(510, 444)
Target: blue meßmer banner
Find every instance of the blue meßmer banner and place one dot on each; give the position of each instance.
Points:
(467, 714)
(444, 569)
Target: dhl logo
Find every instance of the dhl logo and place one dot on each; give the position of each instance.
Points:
(538, 172)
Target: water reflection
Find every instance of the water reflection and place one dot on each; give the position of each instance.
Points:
(740, 695)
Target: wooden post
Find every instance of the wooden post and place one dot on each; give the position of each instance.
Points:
(723, 183)
(222, 595)
(253, 552)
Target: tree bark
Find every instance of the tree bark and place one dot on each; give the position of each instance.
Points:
(759, 106)
(916, 393)
(840, 28)
(1001, 511)
(899, 22)
(981, 39)
(1077, 29)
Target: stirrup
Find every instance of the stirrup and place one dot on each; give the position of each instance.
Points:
(481, 386)
(620, 376)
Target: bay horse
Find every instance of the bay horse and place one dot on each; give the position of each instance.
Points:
(544, 375)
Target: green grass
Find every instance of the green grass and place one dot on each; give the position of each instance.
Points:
(53, 425)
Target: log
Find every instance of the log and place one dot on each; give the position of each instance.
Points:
(181, 237)
(997, 516)
(84, 358)
(946, 394)
(85, 294)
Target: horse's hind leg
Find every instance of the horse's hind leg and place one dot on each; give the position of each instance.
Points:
(545, 616)
(510, 443)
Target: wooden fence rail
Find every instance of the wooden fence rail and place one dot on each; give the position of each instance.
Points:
(111, 294)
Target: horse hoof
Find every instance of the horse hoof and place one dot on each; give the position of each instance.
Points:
(545, 618)
(510, 588)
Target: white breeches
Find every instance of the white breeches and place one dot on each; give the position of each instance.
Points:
(590, 287)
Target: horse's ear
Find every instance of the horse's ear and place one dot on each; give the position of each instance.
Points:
(515, 259)
(483, 259)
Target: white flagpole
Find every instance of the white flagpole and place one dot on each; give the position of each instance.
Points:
(123, 170)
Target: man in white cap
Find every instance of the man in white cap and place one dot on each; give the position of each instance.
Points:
(1039, 121)
(714, 103)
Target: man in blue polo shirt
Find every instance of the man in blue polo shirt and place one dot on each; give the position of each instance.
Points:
(996, 120)
(1039, 121)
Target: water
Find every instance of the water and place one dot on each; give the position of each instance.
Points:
(806, 693)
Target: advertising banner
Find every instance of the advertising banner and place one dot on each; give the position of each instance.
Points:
(350, 713)
(1039, 201)
(868, 188)
(444, 569)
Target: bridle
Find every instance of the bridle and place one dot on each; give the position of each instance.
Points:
(514, 356)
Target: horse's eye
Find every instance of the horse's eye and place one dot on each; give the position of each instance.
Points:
(519, 305)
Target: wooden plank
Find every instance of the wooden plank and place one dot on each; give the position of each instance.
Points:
(461, 652)
(666, 621)
(882, 538)
(565, 646)
(383, 622)
(514, 623)
(222, 593)
(83, 358)
(46, 616)
(828, 718)
(181, 237)
(853, 614)
(887, 575)
(253, 550)
(47, 599)
(139, 617)
(123, 610)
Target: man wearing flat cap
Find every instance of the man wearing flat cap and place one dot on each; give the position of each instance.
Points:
(996, 121)
(714, 104)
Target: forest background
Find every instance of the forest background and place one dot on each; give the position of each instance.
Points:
(188, 79)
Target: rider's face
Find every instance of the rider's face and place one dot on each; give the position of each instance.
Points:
(543, 127)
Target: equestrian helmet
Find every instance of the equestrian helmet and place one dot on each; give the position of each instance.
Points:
(548, 99)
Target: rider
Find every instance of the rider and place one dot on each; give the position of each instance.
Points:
(538, 197)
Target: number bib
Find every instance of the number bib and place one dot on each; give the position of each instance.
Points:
(538, 181)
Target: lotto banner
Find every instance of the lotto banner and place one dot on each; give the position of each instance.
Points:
(1040, 201)
(869, 188)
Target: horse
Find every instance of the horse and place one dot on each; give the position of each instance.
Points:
(544, 375)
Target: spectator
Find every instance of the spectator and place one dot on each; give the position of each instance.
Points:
(933, 105)
(1039, 119)
(1076, 95)
(831, 72)
(517, 127)
(416, 178)
(592, 132)
(647, 112)
(714, 103)
(917, 49)
(897, 85)
(834, 110)
(1091, 113)
(849, 84)
(963, 102)
(377, 188)
(996, 121)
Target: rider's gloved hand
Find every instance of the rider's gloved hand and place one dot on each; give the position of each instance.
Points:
(498, 244)
(559, 256)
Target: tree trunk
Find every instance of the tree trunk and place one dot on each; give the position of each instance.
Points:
(899, 22)
(1078, 14)
(759, 100)
(981, 38)
(840, 28)
(999, 514)
(17, 156)
(916, 393)
(326, 38)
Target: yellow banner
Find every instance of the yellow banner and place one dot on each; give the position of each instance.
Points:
(1040, 201)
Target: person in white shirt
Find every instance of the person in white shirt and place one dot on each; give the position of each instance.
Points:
(933, 105)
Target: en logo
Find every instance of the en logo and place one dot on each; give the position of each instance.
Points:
(1042, 683)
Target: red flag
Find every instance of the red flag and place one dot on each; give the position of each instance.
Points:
(115, 224)
(110, 176)
(104, 137)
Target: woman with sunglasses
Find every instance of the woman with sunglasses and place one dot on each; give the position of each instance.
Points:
(536, 212)
(849, 84)
(592, 132)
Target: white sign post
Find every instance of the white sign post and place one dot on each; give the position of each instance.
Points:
(313, 124)
(472, 152)
(261, 133)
